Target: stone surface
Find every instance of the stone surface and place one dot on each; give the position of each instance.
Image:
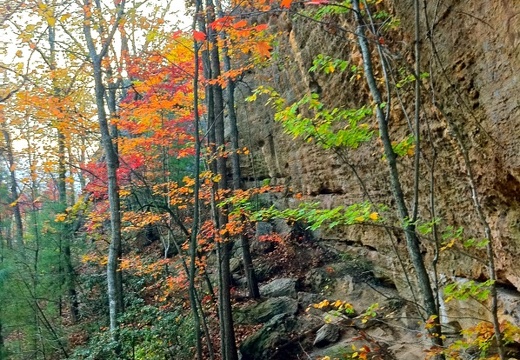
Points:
(317, 279)
(263, 344)
(327, 334)
(305, 299)
(235, 265)
(279, 287)
(264, 270)
(280, 338)
(266, 310)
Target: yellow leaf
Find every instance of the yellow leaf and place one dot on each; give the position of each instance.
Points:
(19, 53)
(449, 245)
(51, 20)
(60, 217)
(374, 216)
(124, 192)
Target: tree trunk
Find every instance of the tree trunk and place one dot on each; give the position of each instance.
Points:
(196, 206)
(115, 295)
(14, 191)
(412, 241)
(227, 332)
(69, 278)
(247, 259)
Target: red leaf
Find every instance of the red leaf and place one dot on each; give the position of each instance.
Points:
(261, 27)
(221, 23)
(199, 36)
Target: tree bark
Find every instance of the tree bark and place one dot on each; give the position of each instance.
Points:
(412, 241)
(247, 259)
(196, 206)
(14, 191)
(69, 276)
(227, 332)
(115, 295)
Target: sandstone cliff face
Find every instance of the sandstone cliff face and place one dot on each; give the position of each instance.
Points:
(471, 105)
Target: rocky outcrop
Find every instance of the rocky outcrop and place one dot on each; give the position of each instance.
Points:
(470, 109)
(267, 310)
(279, 287)
(327, 334)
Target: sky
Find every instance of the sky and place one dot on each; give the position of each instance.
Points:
(179, 5)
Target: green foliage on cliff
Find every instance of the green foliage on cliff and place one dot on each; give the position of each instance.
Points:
(310, 120)
(316, 217)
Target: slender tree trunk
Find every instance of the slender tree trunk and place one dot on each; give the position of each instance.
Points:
(227, 333)
(112, 163)
(476, 203)
(196, 206)
(115, 295)
(114, 133)
(69, 276)
(14, 191)
(412, 241)
(247, 259)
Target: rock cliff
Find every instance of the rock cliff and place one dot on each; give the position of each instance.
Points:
(469, 123)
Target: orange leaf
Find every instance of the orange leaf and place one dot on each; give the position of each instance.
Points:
(286, 3)
(261, 27)
(220, 23)
(264, 48)
(240, 24)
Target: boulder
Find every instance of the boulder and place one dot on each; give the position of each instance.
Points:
(263, 344)
(235, 265)
(263, 312)
(279, 287)
(327, 334)
(280, 338)
(317, 279)
(306, 299)
(265, 270)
